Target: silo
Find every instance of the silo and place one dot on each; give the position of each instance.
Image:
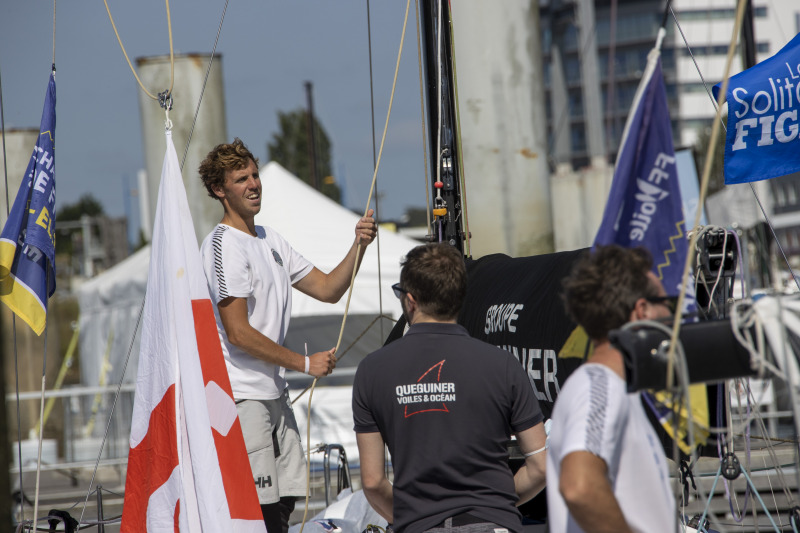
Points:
(502, 122)
(209, 130)
(19, 148)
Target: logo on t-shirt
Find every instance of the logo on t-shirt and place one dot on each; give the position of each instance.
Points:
(277, 257)
(428, 394)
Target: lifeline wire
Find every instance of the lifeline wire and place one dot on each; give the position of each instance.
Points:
(44, 351)
(13, 315)
(704, 186)
(171, 57)
(205, 81)
(422, 114)
(141, 309)
(358, 252)
(461, 172)
(372, 121)
(752, 188)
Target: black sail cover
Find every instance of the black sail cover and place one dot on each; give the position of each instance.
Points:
(515, 303)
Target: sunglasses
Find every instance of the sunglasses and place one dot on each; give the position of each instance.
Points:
(398, 290)
(670, 302)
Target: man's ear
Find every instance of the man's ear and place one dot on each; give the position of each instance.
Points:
(218, 191)
(639, 310)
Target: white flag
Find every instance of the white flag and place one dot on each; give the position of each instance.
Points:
(187, 469)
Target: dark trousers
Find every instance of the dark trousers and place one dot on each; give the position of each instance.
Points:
(276, 515)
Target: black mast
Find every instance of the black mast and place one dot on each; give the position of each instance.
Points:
(442, 127)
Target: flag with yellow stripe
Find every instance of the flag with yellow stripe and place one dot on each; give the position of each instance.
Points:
(27, 242)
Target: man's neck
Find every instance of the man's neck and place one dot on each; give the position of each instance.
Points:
(605, 354)
(421, 318)
(246, 226)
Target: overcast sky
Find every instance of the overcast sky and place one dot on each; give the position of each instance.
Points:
(269, 48)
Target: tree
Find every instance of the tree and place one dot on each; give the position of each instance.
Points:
(716, 180)
(289, 147)
(86, 205)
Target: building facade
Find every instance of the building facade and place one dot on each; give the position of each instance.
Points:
(586, 114)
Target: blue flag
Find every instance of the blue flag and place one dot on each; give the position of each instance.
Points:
(27, 243)
(763, 102)
(644, 205)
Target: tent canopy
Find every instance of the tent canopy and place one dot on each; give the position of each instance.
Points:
(316, 226)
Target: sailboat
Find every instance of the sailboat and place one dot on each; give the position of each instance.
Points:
(500, 286)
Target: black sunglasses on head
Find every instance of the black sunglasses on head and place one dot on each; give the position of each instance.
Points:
(671, 302)
(398, 290)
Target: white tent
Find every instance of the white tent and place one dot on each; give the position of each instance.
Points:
(317, 227)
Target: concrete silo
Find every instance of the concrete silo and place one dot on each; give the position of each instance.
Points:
(209, 130)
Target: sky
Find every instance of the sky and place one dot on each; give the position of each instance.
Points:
(269, 49)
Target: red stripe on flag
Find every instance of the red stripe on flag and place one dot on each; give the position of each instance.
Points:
(237, 476)
(150, 464)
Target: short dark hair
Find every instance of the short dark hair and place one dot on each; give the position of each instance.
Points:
(222, 158)
(436, 277)
(601, 291)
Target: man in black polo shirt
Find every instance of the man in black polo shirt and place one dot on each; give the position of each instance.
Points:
(446, 405)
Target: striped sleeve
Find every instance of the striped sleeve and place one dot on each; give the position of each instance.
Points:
(227, 266)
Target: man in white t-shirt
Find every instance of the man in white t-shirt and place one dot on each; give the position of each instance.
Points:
(250, 272)
(606, 469)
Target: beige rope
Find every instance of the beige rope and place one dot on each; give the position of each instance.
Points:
(428, 215)
(171, 56)
(461, 173)
(704, 184)
(355, 265)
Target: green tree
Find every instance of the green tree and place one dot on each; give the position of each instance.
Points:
(289, 147)
(716, 180)
(86, 205)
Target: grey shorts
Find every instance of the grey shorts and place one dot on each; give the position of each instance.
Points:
(273, 447)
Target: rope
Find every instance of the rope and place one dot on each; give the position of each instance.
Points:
(141, 309)
(54, 34)
(203, 89)
(358, 252)
(113, 406)
(428, 213)
(704, 186)
(41, 414)
(719, 116)
(13, 315)
(461, 172)
(340, 357)
(374, 162)
(135, 75)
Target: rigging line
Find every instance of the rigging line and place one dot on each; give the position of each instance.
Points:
(171, 56)
(113, 406)
(460, 151)
(774, 235)
(358, 247)
(339, 358)
(13, 315)
(704, 185)
(439, 98)
(41, 412)
(141, 309)
(374, 162)
(205, 81)
(778, 468)
(422, 114)
(54, 34)
(752, 188)
(564, 113)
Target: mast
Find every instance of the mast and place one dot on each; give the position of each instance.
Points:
(442, 127)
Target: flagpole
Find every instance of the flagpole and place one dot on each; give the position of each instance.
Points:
(41, 421)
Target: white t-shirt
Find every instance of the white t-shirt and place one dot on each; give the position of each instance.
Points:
(261, 269)
(594, 413)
